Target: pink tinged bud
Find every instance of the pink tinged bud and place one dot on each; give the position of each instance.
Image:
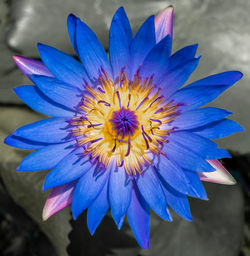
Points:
(220, 175)
(164, 24)
(59, 198)
(31, 67)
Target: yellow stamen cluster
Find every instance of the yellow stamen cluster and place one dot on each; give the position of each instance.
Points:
(95, 129)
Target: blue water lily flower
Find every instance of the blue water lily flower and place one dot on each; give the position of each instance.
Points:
(123, 133)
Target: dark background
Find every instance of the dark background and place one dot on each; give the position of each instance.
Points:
(221, 225)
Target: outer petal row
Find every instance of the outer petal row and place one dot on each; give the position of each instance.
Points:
(120, 187)
(164, 24)
(62, 66)
(59, 198)
(220, 175)
(30, 67)
(36, 100)
(46, 157)
(51, 130)
(59, 92)
(141, 45)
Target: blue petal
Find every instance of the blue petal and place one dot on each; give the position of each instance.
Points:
(120, 37)
(173, 80)
(218, 129)
(196, 188)
(46, 157)
(120, 223)
(87, 190)
(36, 100)
(201, 146)
(70, 168)
(151, 190)
(19, 142)
(185, 158)
(71, 24)
(199, 117)
(91, 52)
(120, 188)
(183, 55)
(58, 91)
(177, 201)
(143, 42)
(63, 66)
(98, 209)
(172, 175)
(139, 218)
(157, 60)
(50, 130)
(192, 97)
(226, 78)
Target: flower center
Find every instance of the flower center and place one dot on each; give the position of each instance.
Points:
(125, 122)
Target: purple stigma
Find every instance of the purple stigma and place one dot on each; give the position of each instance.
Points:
(124, 122)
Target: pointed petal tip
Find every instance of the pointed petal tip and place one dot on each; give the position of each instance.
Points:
(231, 182)
(145, 245)
(75, 209)
(168, 216)
(31, 66)
(204, 197)
(168, 10)
(48, 211)
(164, 23)
(19, 169)
(220, 175)
(119, 12)
(16, 132)
(46, 214)
(240, 128)
(6, 140)
(72, 16)
(237, 75)
(45, 186)
(189, 218)
(120, 223)
(41, 46)
(22, 63)
(241, 74)
(195, 46)
(71, 19)
(18, 58)
(121, 9)
(92, 227)
(74, 214)
(228, 112)
(92, 231)
(17, 90)
(199, 56)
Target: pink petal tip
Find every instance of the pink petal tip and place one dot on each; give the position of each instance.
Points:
(31, 67)
(164, 23)
(220, 175)
(59, 198)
